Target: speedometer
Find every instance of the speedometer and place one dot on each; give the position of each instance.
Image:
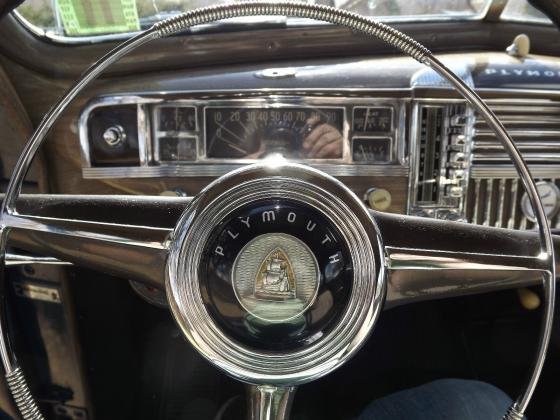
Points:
(254, 133)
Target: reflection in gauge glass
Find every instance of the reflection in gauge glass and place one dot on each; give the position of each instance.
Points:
(372, 119)
(175, 118)
(176, 149)
(253, 133)
(365, 149)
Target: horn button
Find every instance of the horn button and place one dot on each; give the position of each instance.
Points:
(276, 275)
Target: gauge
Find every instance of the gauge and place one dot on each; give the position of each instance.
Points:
(365, 149)
(172, 118)
(550, 197)
(176, 149)
(372, 120)
(253, 133)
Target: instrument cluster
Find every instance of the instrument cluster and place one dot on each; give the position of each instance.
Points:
(170, 135)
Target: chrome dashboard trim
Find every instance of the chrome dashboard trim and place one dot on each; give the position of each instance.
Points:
(211, 170)
(455, 207)
(491, 171)
(143, 123)
(203, 166)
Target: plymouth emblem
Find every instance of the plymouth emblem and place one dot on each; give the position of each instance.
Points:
(275, 277)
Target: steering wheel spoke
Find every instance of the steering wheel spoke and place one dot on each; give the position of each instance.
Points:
(431, 259)
(268, 402)
(120, 235)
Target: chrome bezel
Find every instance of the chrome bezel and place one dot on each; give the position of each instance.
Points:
(204, 166)
(152, 138)
(270, 180)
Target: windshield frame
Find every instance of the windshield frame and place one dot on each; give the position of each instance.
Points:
(492, 11)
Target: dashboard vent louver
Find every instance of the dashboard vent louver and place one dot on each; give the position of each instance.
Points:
(534, 125)
(497, 202)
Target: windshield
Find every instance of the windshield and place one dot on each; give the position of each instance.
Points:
(86, 18)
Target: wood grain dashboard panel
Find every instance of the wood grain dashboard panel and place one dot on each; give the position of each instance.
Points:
(64, 163)
(66, 175)
(62, 151)
(66, 171)
(16, 129)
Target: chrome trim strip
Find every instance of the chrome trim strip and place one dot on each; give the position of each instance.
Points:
(499, 159)
(477, 191)
(501, 202)
(13, 259)
(432, 259)
(36, 223)
(489, 207)
(222, 169)
(514, 207)
(493, 171)
(522, 132)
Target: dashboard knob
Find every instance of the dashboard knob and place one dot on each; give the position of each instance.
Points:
(114, 136)
(455, 191)
(378, 199)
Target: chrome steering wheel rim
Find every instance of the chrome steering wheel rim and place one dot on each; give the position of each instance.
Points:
(407, 45)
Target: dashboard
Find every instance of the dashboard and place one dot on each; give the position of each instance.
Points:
(159, 134)
(398, 137)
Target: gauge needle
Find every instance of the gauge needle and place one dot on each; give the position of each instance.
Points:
(233, 145)
(363, 151)
(230, 143)
(243, 125)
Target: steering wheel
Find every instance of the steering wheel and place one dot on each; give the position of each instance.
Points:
(276, 273)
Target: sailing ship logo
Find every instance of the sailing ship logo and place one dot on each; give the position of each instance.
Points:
(275, 279)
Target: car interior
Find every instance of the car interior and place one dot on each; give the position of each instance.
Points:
(269, 210)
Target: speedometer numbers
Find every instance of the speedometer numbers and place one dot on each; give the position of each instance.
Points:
(253, 133)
